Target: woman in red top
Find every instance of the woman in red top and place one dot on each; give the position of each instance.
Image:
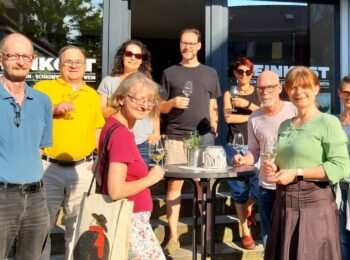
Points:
(127, 174)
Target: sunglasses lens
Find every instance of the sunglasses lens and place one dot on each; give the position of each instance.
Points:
(247, 72)
(240, 72)
(138, 56)
(129, 54)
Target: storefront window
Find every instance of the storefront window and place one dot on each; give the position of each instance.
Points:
(277, 35)
(52, 24)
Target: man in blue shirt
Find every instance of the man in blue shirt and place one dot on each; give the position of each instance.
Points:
(25, 128)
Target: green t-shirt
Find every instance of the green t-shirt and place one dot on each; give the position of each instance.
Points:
(320, 141)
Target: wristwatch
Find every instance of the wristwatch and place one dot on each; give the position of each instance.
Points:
(300, 175)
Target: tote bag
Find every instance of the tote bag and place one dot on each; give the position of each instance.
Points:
(103, 226)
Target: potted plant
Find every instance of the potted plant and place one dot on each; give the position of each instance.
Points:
(192, 146)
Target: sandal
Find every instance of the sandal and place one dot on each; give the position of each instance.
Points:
(248, 242)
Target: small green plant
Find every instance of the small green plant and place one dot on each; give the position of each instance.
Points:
(192, 142)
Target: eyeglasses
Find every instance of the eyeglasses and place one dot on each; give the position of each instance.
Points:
(241, 72)
(269, 88)
(129, 54)
(77, 63)
(13, 57)
(191, 44)
(141, 102)
(345, 93)
(17, 114)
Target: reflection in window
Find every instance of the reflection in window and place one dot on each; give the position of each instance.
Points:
(276, 35)
(53, 24)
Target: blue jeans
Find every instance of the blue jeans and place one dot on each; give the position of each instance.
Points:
(241, 190)
(344, 234)
(144, 151)
(24, 217)
(266, 200)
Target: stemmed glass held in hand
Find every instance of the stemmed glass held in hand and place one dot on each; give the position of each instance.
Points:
(238, 142)
(188, 88)
(165, 143)
(268, 151)
(234, 93)
(156, 151)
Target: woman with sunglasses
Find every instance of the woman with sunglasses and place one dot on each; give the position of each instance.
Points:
(343, 192)
(236, 113)
(132, 56)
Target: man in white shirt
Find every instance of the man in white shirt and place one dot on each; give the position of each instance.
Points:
(263, 123)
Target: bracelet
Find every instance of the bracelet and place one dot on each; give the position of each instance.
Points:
(248, 105)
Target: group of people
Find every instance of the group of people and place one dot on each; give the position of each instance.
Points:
(52, 130)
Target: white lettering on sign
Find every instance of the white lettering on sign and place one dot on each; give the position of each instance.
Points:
(282, 70)
(52, 64)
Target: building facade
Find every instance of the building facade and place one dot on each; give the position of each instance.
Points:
(275, 35)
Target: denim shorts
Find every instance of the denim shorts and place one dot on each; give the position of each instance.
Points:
(241, 190)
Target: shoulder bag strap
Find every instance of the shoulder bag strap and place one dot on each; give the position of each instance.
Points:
(102, 155)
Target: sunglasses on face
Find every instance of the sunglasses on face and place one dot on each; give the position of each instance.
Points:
(241, 72)
(137, 56)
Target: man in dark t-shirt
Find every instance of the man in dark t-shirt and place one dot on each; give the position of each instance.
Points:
(197, 112)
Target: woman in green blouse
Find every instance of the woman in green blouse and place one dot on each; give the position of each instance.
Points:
(311, 156)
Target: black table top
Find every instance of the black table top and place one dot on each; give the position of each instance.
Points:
(182, 171)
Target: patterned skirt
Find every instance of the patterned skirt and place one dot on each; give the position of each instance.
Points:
(143, 244)
(304, 223)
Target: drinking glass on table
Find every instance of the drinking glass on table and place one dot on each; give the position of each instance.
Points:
(156, 151)
(238, 142)
(268, 151)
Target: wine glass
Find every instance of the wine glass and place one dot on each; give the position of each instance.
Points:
(234, 93)
(69, 98)
(188, 88)
(156, 151)
(238, 142)
(165, 143)
(268, 151)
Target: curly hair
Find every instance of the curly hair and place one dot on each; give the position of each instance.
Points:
(145, 67)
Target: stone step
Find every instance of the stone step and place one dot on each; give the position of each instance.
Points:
(227, 229)
(224, 251)
(161, 187)
(224, 205)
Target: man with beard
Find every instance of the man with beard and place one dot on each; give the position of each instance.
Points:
(26, 127)
(263, 123)
(187, 114)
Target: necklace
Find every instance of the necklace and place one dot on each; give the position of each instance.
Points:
(245, 91)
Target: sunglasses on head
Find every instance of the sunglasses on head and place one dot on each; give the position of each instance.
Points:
(241, 72)
(129, 54)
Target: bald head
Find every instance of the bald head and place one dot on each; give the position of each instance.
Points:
(16, 57)
(267, 78)
(269, 89)
(15, 38)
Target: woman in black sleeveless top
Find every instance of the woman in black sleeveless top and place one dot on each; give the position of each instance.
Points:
(236, 111)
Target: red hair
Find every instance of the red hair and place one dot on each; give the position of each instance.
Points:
(243, 61)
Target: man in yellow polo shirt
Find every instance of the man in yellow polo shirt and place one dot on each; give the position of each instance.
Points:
(76, 127)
